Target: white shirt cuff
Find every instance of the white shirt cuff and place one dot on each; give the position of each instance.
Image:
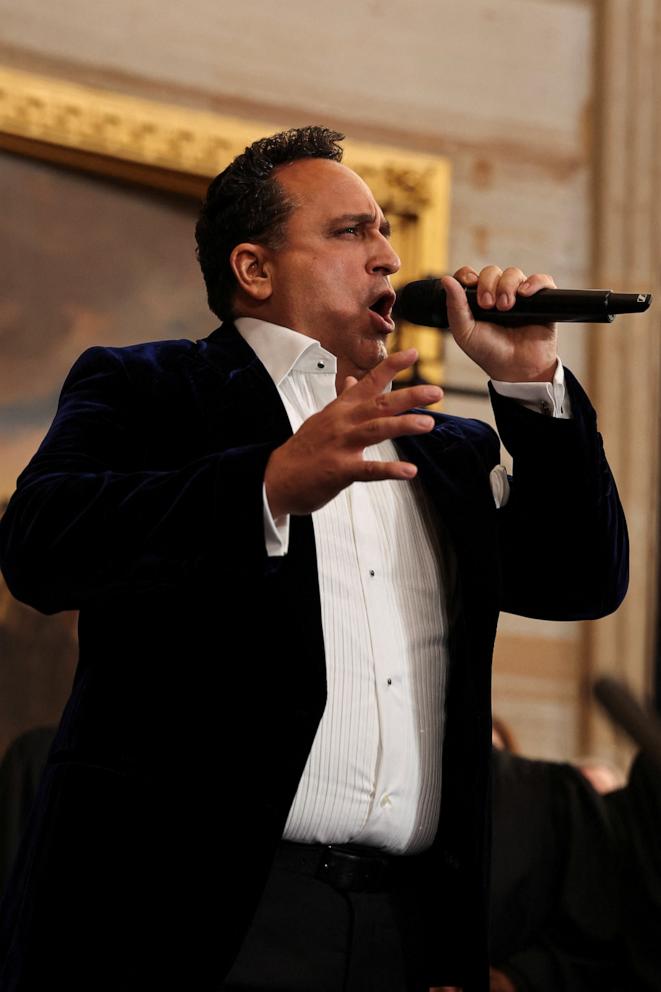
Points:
(547, 398)
(276, 532)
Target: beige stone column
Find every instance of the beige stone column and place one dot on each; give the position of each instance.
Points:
(624, 357)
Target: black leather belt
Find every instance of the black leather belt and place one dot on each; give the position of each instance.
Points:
(346, 867)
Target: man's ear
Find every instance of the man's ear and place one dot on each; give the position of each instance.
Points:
(251, 267)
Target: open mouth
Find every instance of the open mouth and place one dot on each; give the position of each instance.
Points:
(382, 307)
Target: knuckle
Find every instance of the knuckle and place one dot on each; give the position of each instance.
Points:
(375, 431)
(546, 278)
(371, 470)
(335, 470)
(513, 272)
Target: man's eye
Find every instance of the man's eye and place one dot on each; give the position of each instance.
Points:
(349, 230)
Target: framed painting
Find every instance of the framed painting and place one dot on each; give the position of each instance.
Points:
(100, 194)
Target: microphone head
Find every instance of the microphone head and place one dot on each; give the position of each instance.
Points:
(422, 302)
(629, 302)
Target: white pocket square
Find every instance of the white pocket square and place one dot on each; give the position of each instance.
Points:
(500, 485)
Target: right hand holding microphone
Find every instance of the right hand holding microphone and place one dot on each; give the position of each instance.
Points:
(520, 354)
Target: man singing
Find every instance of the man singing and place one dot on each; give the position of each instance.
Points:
(272, 772)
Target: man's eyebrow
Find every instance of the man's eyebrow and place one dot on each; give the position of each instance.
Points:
(384, 226)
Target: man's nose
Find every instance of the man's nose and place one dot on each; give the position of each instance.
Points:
(385, 259)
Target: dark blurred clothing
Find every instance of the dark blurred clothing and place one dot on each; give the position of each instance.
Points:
(554, 878)
(635, 814)
(20, 772)
(576, 879)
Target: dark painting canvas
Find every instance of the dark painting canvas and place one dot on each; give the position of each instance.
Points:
(85, 261)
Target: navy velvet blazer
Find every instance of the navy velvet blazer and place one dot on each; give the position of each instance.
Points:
(196, 698)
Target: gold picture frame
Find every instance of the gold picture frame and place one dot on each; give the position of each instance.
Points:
(170, 147)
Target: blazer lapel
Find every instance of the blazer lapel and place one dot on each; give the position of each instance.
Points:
(452, 475)
(241, 402)
(458, 485)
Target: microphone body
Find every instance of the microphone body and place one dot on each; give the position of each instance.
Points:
(423, 302)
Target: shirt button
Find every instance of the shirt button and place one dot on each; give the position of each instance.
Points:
(320, 365)
(385, 801)
(372, 573)
(545, 408)
(389, 681)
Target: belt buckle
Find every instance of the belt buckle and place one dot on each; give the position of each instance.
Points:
(349, 872)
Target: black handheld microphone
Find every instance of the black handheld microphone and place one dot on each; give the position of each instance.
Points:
(423, 302)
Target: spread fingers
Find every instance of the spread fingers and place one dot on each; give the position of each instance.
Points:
(395, 402)
(385, 428)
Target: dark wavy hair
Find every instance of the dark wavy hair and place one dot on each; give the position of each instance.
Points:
(245, 202)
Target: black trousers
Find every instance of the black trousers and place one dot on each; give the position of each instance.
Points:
(309, 937)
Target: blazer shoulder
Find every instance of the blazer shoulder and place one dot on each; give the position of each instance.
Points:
(154, 373)
(159, 365)
(149, 358)
(468, 430)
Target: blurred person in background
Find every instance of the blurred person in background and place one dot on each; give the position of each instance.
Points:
(576, 878)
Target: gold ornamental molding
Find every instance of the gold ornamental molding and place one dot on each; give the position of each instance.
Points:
(80, 119)
(170, 147)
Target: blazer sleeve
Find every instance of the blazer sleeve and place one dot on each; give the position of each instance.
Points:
(86, 521)
(563, 538)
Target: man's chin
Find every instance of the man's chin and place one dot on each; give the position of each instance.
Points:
(367, 365)
(377, 352)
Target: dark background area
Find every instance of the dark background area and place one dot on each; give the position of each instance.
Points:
(86, 261)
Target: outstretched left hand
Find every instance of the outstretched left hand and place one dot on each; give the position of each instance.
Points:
(507, 354)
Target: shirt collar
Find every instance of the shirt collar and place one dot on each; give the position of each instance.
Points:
(281, 350)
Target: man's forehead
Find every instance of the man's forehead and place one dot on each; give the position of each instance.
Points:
(328, 186)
